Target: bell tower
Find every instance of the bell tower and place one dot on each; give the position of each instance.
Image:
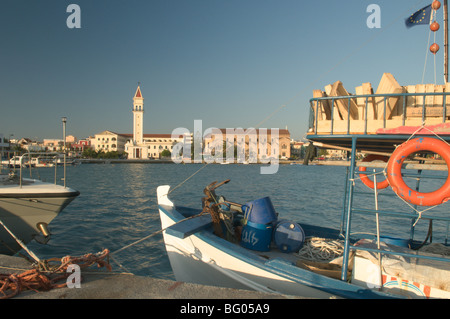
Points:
(138, 117)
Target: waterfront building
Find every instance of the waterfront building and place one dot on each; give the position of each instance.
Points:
(79, 147)
(109, 141)
(31, 145)
(55, 144)
(262, 137)
(296, 149)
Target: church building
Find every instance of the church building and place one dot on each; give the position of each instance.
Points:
(145, 146)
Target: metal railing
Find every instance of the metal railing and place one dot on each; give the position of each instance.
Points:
(350, 210)
(315, 103)
(25, 161)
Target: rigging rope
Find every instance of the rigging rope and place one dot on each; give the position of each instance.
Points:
(426, 56)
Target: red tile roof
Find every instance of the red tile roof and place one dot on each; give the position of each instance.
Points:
(138, 92)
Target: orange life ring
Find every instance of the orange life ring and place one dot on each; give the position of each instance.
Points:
(394, 171)
(365, 179)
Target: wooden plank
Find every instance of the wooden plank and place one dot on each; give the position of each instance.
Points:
(338, 89)
(447, 98)
(398, 110)
(188, 227)
(432, 111)
(360, 102)
(371, 111)
(410, 100)
(387, 85)
(324, 108)
(429, 99)
(438, 99)
(336, 115)
(420, 88)
(364, 89)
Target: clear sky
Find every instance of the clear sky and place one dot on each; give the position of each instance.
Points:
(229, 63)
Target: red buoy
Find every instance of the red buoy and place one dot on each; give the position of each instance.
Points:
(434, 26)
(436, 5)
(434, 48)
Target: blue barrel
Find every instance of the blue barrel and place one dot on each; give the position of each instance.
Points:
(257, 236)
(288, 236)
(260, 211)
(259, 218)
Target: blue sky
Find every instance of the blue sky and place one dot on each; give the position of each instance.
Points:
(229, 63)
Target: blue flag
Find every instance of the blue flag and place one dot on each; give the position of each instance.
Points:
(420, 17)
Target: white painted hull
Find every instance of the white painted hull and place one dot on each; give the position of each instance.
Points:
(198, 259)
(194, 260)
(204, 258)
(22, 208)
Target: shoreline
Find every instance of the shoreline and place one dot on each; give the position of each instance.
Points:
(169, 161)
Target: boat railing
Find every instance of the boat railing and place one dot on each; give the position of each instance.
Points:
(366, 113)
(384, 252)
(25, 161)
(412, 213)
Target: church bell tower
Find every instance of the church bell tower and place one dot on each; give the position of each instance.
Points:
(138, 117)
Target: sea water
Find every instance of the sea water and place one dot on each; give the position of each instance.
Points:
(117, 206)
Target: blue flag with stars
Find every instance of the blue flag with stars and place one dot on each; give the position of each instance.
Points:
(420, 17)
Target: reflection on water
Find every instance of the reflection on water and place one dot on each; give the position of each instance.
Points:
(117, 205)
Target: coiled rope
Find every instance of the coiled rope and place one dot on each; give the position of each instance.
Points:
(321, 249)
(46, 274)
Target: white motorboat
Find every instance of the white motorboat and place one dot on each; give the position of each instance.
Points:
(27, 206)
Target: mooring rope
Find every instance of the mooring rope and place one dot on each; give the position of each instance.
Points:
(46, 276)
(153, 234)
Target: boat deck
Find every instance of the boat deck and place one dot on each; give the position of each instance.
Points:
(379, 121)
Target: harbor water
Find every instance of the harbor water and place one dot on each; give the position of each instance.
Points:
(118, 206)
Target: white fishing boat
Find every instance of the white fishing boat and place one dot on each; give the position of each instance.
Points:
(266, 257)
(27, 206)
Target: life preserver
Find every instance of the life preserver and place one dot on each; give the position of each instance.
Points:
(365, 179)
(394, 171)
